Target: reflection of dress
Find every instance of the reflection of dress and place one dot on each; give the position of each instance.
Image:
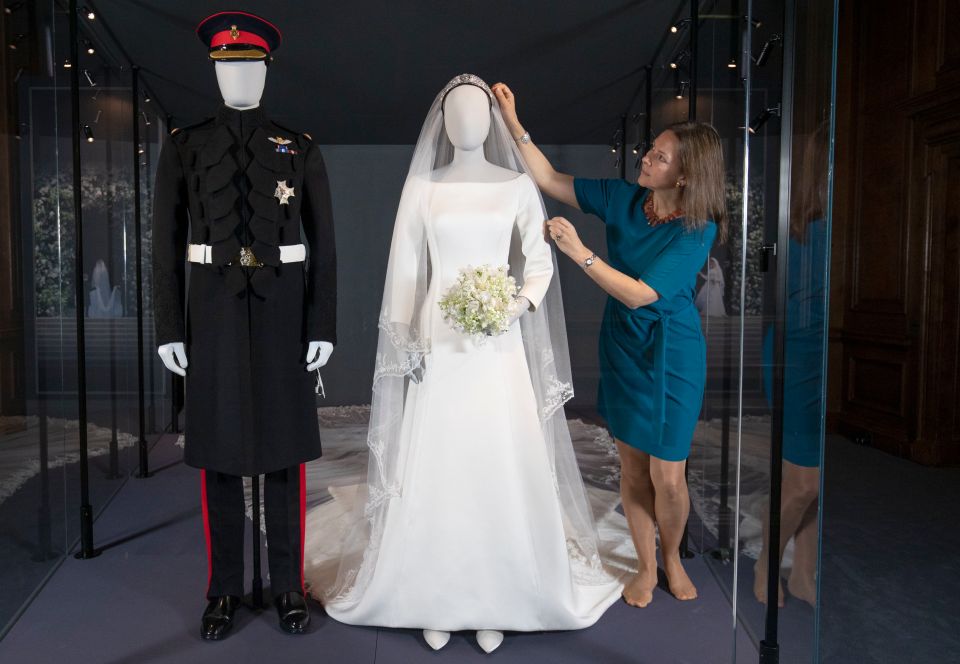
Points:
(475, 540)
(105, 302)
(709, 299)
(804, 349)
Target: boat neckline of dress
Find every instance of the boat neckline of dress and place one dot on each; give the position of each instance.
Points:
(475, 182)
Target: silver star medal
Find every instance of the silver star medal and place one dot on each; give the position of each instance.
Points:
(283, 192)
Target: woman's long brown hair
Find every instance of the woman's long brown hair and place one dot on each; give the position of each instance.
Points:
(809, 201)
(701, 162)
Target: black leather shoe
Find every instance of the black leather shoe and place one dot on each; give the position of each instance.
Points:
(293, 612)
(218, 617)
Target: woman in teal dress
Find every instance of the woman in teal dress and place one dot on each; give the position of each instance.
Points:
(652, 353)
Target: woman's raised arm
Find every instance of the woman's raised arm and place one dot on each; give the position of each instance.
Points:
(558, 186)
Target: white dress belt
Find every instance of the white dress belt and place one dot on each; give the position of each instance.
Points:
(289, 253)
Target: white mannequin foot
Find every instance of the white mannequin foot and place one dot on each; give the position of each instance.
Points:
(489, 639)
(436, 639)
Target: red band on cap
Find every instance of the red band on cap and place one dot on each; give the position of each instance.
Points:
(254, 16)
(226, 37)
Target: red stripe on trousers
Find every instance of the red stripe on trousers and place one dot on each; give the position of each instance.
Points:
(206, 526)
(303, 520)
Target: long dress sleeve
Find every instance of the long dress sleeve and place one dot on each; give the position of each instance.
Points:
(538, 263)
(170, 224)
(405, 268)
(317, 218)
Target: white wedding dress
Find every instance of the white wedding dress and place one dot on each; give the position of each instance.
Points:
(476, 538)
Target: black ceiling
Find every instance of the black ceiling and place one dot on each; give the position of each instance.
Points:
(362, 71)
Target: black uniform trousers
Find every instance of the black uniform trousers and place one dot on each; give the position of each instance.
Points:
(284, 498)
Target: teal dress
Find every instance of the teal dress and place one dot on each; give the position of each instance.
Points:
(652, 358)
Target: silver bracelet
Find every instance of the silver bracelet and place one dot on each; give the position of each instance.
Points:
(588, 262)
(523, 139)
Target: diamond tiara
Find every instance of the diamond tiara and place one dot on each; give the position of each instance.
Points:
(465, 79)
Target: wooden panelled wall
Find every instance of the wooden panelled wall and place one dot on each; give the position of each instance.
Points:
(895, 284)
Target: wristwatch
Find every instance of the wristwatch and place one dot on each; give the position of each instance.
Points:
(588, 262)
(523, 139)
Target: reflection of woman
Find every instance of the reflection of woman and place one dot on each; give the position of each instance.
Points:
(652, 353)
(802, 376)
(710, 296)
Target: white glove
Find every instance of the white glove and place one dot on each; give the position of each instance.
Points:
(521, 306)
(318, 353)
(174, 357)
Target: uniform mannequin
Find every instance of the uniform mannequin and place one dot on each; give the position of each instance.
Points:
(236, 196)
(241, 86)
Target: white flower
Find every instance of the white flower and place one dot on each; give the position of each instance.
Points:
(481, 300)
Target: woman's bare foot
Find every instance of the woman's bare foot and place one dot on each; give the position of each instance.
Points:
(680, 584)
(760, 583)
(802, 586)
(639, 592)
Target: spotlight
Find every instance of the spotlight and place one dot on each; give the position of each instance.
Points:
(636, 149)
(146, 97)
(12, 7)
(66, 64)
(146, 120)
(679, 59)
(140, 150)
(88, 132)
(761, 118)
(732, 64)
(675, 28)
(90, 80)
(616, 141)
(89, 13)
(16, 40)
(761, 58)
(682, 88)
(90, 50)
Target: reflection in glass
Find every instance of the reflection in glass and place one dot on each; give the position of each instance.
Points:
(804, 349)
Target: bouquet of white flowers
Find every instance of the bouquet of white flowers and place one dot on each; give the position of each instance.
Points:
(481, 302)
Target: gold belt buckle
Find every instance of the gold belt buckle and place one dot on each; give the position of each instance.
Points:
(247, 259)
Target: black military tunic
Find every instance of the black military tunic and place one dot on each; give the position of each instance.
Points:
(240, 181)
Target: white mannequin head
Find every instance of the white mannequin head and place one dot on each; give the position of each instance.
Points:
(466, 116)
(241, 82)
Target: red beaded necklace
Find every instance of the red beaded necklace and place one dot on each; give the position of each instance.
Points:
(652, 218)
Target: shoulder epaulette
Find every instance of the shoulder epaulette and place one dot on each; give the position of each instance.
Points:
(195, 125)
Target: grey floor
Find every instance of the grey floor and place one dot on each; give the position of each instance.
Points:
(140, 601)
(890, 570)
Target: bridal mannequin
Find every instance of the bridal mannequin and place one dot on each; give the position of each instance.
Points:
(241, 86)
(466, 118)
